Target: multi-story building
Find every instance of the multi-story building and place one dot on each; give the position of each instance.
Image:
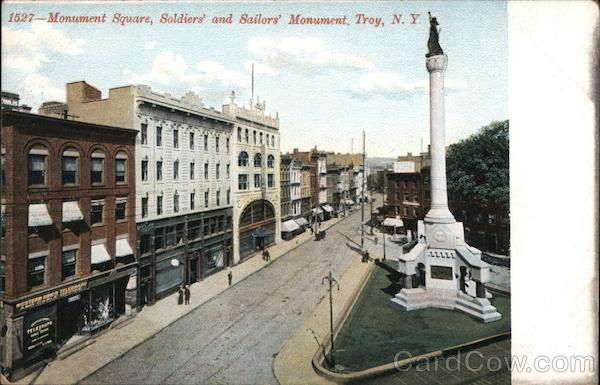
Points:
(322, 179)
(341, 186)
(295, 195)
(256, 172)
(318, 183)
(183, 178)
(11, 102)
(68, 232)
(405, 197)
(307, 188)
(286, 199)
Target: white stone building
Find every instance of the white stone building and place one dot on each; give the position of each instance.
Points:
(322, 179)
(256, 194)
(295, 195)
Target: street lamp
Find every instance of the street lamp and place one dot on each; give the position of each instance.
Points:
(329, 278)
(384, 244)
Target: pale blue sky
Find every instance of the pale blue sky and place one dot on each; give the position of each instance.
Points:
(327, 83)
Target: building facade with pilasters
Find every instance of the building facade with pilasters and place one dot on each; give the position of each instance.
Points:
(184, 175)
(256, 194)
(68, 233)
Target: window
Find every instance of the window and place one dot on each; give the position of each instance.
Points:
(257, 180)
(176, 202)
(247, 136)
(258, 160)
(492, 219)
(158, 136)
(254, 136)
(228, 170)
(239, 134)
(159, 170)
(192, 201)
(270, 161)
(37, 164)
(144, 133)
(175, 138)
(397, 195)
(243, 181)
(97, 168)
(243, 159)
(97, 217)
(406, 211)
(267, 139)
(159, 240)
(206, 198)
(145, 244)
(227, 145)
(216, 143)
(159, 204)
(144, 207)
(270, 180)
(144, 170)
(273, 141)
(3, 275)
(69, 263)
(228, 196)
(191, 140)
(205, 142)
(218, 197)
(261, 138)
(36, 271)
(69, 166)
(218, 171)
(120, 209)
(120, 167)
(192, 167)
(176, 170)
(206, 170)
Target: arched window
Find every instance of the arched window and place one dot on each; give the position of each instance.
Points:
(270, 161)
(97, 167)
(69, 161)
(37, 166)
(247, 136)
(258, 160)
(239, 135)
(121, 167)
(243, 159)
(273, 141)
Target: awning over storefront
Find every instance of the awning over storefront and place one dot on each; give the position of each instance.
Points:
(327, 208)
(348, 201)
(71, 212)
(261, 232)
(317, 210)
(39, 215)
(289, 226)
(99, 254)
(393, 222)
(123, 248)
(301, 221)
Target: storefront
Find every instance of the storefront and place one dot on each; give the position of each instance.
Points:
(257, 227)
(169, 275)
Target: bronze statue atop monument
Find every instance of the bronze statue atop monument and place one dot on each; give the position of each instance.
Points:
(434, 36)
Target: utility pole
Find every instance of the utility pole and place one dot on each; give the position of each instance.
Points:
(371, 198)
(384, 244)
(331, 281)
(362, 199)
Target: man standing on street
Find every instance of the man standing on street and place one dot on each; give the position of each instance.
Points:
(230, 277)
(186, 292)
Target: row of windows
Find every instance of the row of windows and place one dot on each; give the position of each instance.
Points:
(37, 167)
(243, 160)
(191, 141)
(243, 181)
(176, 201)
(170, 236)
(269, 140)
(192, 170)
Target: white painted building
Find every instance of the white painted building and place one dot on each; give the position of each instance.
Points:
(322, 179)
(295, 193)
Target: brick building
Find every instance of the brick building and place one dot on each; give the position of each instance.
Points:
(68, 234)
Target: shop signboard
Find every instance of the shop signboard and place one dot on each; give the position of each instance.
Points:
(39, 331)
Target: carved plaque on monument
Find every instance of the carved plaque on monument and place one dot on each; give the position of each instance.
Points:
(441, 272)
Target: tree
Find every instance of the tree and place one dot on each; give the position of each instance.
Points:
(477, 166)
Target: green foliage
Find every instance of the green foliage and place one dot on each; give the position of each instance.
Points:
(477, 167)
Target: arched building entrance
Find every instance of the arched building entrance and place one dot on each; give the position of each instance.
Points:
(257, 227)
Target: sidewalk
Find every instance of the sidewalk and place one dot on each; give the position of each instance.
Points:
(109, 346)
(293, 363)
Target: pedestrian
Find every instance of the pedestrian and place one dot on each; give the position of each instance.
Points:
(180, 296)
(186, 292)
(264, 255)
(267, 255)
(230, 277)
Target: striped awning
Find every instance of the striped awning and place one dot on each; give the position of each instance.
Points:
(289, 226)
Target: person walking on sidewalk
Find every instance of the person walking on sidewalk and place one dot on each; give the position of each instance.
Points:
(230, 277)
(187, 293)
(180, 296)
(267, 256)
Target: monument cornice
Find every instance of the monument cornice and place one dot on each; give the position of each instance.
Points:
(437, 63)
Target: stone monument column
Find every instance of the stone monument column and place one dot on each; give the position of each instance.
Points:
(439, 213)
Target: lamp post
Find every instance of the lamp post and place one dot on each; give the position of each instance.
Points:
(371, 197)
(329, 278)
(384, 244)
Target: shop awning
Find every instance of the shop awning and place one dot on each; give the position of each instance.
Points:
(123, 248)
(393, 222)
(289, 226)
(71, 212)
(317, 210)
(327, 208)
(99, 254)
(348, 201)
(261, 232)
(301, 221)
(39, 215)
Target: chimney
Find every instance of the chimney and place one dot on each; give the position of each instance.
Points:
(81, 92)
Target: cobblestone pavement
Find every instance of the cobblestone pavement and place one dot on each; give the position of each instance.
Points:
(232, 338)
(464, 368)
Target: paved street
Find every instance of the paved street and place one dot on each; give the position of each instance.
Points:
(232, 338)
